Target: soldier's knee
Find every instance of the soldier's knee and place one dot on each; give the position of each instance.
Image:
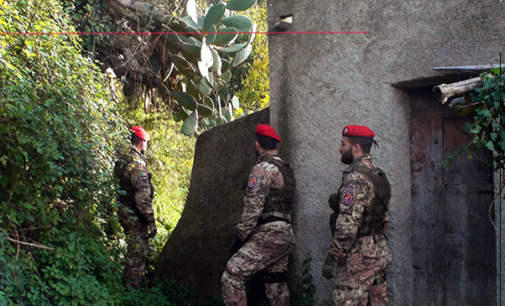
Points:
(378, 295)
(349, 297)
(233, 269)
(230, 280)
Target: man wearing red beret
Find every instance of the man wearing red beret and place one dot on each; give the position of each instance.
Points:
(264, 235)
(135, 213)
(359, 257)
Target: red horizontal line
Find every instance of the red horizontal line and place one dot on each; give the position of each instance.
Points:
(179, 33)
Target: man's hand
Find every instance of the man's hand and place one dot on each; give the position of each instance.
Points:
(237, 245)
(152, 230)
(329, 267)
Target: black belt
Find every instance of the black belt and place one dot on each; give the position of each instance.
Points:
(271, 219)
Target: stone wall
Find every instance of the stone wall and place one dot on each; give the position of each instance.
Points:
(321, 82)
(199, 247)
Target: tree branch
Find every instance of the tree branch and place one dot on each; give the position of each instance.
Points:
(31, 244)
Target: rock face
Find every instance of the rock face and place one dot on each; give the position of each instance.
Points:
(199, 247)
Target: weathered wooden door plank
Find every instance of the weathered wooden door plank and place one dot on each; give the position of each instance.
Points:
(453, 240)
(428, 209)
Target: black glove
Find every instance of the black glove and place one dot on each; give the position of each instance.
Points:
(245, 181)
(329, 267)
(150, 175)
(237, 245)
(333, 201)
(152, 230)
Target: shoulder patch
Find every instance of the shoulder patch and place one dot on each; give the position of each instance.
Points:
(252, 182)
(144, 177)
(347, 198)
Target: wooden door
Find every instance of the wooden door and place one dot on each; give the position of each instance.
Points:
(453, 239)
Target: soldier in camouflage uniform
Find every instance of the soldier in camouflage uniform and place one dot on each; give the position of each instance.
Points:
(135, 212)
(359, 257)
(264, 236)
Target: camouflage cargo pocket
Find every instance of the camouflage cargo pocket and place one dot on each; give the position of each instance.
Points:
(373, 253)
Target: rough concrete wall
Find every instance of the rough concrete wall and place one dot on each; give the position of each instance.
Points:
(321, 82)
(199, 247)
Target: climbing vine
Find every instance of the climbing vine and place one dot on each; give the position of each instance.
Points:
(488, 125)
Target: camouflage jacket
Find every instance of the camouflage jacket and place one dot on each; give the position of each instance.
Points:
(262, 178)
(356, 193)
(134, 179)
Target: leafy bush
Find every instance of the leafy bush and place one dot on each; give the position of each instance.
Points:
(254, 88)
(57, 133)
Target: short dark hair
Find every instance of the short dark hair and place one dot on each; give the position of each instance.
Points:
(265, 142)
(364, 143)
(135, 140)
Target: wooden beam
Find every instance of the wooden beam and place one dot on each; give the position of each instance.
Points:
(445, 91)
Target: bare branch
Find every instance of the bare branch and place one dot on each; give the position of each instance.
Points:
(31, 244)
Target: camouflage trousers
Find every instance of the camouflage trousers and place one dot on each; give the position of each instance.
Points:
(253, 257)
(362, 296)
(356, 274)
(137, 246)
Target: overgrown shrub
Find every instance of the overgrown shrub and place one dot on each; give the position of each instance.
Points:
(57, 134)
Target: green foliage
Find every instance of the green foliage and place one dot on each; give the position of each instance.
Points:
(251, 82)
(58, 131)
(488, 125)
(198, 57)
(303, 289)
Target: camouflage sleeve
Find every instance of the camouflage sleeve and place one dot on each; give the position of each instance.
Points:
(140, 181)
(356, 192)
(256, 192)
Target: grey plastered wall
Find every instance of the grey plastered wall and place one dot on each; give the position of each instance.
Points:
(321, 82)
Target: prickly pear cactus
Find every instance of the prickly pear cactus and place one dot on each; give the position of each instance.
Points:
(184, 56)
(202, 62)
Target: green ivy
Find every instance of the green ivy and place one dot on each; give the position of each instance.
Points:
(488, 125)
(303, 287)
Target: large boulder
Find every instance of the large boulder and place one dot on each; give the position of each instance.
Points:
(199, 247)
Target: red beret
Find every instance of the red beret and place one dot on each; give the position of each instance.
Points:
(358, 131)
(266, 130)
(141, 133)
